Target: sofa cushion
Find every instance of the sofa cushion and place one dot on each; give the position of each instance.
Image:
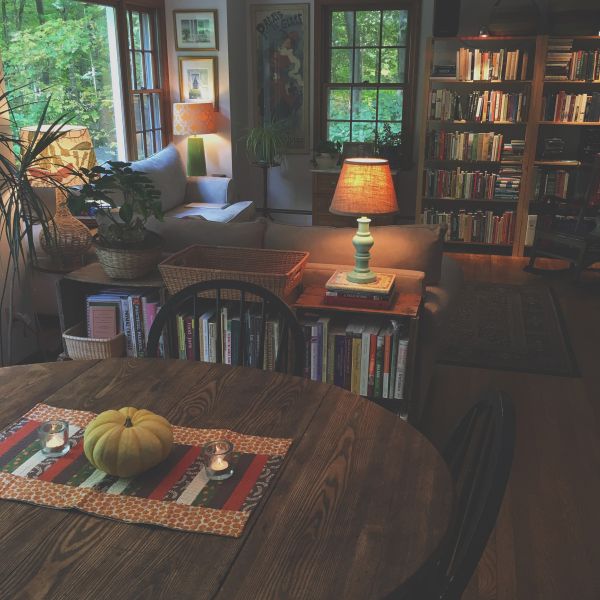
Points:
(413, 247)
(180, 233)
(167, 172)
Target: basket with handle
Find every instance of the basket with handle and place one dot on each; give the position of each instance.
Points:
(279, 271)
(80, 347)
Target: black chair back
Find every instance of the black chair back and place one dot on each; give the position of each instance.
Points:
(253, 307)
(479, 455)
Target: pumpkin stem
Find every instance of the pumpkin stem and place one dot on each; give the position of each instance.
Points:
(128, 422)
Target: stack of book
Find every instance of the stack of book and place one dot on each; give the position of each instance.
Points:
(463, 145)
(378, 295)
(466, 185)
(551, 182)
(508, 182)
(571, 108)
(486, 65)
(558, 59)
(365, 355)
(112, 311)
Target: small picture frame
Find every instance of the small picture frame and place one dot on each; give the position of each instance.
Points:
(196, 30)
(198, 79)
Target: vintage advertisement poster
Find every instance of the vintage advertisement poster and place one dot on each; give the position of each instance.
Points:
(281, 69)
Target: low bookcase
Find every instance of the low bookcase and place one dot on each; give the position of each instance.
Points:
(405, 310)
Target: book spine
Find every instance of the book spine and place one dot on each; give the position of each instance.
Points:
(347, 362)
(386, 367)
(138, 326)
(401, 369)
(314, 353)
(181, 338)
(378, 383)
(364, 364)
(339, 356)
(189, 339)
(372, 360)
(356, 354)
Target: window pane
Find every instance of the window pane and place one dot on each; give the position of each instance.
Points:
(395, 26)
(339, 104)
(341, 66)
(147, 112)
(137, 111)
(390, 105)
(146, 37)
(365, 66)
(156, 99)
(135, 23)
(367, 27)
(139, 137)
(342, 28)
(148, 71)
(395, 128)
(158, 140)
(364, 104)
(392, 65)
(363, 132)
(338, 131)
(150, 143)
(139, 72)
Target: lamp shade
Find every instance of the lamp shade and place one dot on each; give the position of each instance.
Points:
(72, 150)
(193, 118)
(365, 187)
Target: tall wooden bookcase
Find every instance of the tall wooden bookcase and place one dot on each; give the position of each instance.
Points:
(535, 87)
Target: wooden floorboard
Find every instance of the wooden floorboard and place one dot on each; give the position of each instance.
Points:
(546, 541)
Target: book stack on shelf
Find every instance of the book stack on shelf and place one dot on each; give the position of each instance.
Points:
(551, 182)
(565, 64)
(464, 146)
(460, 184)
(487, 65)
(562, 107)
(231, 336)
(508, 182)
(365, 355)
(378, 294)
(481, 227)
(113, 311)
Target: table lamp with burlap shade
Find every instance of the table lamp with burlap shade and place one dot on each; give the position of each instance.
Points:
(68, 237)
(365, 187)
(194, 119)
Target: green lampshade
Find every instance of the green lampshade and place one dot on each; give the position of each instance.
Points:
(196, 159)
(192, 119)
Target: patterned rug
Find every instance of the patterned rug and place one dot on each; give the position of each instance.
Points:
(510, 327)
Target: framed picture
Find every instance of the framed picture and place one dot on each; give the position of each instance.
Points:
(198, 79)
(280, 77)
(196, 30)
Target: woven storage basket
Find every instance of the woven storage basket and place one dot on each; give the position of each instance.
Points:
(129, 264)
(85, 348)
(279, 271)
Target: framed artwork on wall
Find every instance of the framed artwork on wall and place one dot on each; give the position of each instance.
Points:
(198, 79)
(196, 30)
(280, 73)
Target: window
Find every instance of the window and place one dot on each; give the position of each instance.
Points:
(71, 52)
(366, 73)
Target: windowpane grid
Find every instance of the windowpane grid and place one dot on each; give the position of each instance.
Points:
(367, 65)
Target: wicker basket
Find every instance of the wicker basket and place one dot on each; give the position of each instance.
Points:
(85, 348)
(129, 264)
(279, 271)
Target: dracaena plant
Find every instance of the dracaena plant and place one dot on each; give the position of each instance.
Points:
(125, 200)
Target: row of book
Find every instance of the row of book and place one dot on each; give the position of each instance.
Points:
(113, 311)
(365, 356)
(551, 182)
(227, 348)
(463, 145)
(562, 63)
(456, 183)
(482, 65)
(482, 227)
(487, 106)
(571, 108)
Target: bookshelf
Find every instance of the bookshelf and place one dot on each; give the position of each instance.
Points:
(533, 128)
(406, 308)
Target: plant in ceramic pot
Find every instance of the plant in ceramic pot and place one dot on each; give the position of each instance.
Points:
(124, 201)
(389, 145)
(326, 155)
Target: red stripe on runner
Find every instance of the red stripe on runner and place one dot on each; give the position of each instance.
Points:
(16, 437)
(62, 463)
(244, 487)
(175, 474)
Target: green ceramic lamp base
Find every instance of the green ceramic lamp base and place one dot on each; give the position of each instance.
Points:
(196, 163)
(363, 242)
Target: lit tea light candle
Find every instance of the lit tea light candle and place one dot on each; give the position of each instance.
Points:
(217, 459)
(54, 437)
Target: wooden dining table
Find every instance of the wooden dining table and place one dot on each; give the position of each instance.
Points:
(360, 503)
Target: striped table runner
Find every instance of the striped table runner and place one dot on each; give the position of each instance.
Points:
(175, 494)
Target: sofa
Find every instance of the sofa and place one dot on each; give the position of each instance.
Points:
(413, 252)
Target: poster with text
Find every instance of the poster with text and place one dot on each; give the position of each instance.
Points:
(281, 69)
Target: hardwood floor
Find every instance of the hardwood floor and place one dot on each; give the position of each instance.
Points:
(546, 544)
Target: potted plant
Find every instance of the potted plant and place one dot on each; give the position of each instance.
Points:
(124, 200)
(326, 155)
(389, 145)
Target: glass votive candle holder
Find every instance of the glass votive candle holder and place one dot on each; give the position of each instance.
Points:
(54, 437)
(217, 459)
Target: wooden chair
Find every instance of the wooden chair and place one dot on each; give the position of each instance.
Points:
(243, 299)
(578, 246)
(479, 455)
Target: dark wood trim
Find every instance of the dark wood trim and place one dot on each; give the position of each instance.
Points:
(321, 20)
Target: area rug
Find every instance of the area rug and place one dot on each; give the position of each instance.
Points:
(509, 327)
